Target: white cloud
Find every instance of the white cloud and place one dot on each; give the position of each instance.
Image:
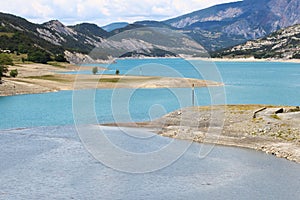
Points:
(103, 11)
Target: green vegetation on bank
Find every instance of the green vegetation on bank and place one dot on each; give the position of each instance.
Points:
(5, 60)
(50, 78)
(21, 44)
(95, 70)
(14, 73)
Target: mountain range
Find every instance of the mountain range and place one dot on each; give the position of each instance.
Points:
(212, 29)
(229, 24)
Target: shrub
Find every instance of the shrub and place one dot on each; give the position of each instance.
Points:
(95, 70)
(5, 59)
(39, 57)
(296, 56)
(14, 73)
(60, 58)
(3, 70)
(117, 72)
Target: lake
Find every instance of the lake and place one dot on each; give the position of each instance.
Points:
(245, 83)
(44, 158)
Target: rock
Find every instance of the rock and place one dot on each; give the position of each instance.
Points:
(281, 110)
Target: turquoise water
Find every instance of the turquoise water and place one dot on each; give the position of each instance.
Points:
(245, 83)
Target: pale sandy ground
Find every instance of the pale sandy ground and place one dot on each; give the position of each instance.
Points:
(39, 78)
(276, 134)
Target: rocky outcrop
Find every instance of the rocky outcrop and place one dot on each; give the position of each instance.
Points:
(284, 43)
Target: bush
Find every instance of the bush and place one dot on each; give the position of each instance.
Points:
(5, 59)
(95, 70)
(60, 58)
(39, 57)
(3, 70)
(14, 73)
(117, 72)
(296, 56)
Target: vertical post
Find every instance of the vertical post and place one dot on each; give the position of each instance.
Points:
(193, 95)
(140, 71)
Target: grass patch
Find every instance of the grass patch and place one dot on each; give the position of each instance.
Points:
(294, 110)
(257, 120)
(109, 80)
(50, 78)
(17, 58)
(275, 117)
(121, 80)
(10, 35)
(57, 64)
(244, 107)
(102, 80)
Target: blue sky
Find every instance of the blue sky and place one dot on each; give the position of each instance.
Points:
(103, 12)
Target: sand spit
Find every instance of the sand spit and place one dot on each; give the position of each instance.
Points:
(39, 78)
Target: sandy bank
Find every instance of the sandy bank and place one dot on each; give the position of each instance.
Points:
(39, 78)
(277, 134)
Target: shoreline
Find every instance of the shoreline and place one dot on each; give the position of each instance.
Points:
(250, 59)
(209, 59)
(274, 134)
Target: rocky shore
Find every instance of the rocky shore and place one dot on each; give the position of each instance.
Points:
(271, 129)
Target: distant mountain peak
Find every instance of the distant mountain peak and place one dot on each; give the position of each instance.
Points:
(113, 26)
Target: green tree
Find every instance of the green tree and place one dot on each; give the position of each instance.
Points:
(4, 61)
(117, 72)
(296, 56)
(14, 73)
(3, 70)
(39, 57)
(60, 58)
(95, 70)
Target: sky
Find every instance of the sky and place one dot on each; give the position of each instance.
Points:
(102, 12)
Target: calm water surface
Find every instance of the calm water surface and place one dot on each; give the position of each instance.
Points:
(51, 163)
